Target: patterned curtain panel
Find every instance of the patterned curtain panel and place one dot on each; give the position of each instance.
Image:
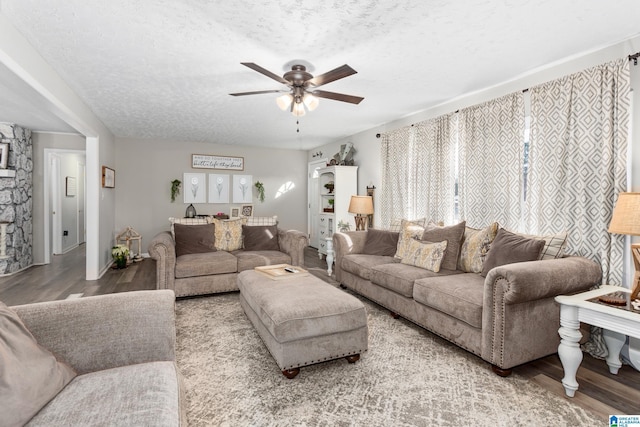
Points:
(491, 152)
(578, 159)
(418, 172)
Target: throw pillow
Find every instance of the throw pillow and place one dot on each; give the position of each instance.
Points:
(381, 242)
(194, 239)
(228, 233)
(453, 235)
(396, 224)
(425, 254)
(30, 375)
(262, 220)
(409, 231)
(260, 238)
(554, 244)
(186, 221)
(475, 247)
(508, 248)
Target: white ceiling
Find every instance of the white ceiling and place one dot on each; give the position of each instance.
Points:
(163, 69)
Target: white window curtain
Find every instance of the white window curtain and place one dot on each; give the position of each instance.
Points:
(418, 172)
(578, 161)
(491, 152)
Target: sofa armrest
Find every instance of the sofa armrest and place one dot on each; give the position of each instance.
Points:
(528, 281)
(293, 242)
(344, 243)
(162, 248)
(520, 318)
(107, 331)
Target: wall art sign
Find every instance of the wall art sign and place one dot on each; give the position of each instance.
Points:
(206, 161)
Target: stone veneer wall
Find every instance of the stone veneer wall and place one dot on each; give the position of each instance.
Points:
(16, 203)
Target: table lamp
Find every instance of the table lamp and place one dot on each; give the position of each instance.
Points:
(626, 220)
(361, 206)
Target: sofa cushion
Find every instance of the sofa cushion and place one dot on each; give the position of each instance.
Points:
(229, 233)
(205, 264)
(397, 223)
(262, 220)
(381, 242)
(457, 295)
(248, 260)
(30, 375)
(425, 254)
(453, 234)
(361, 265)
(508, 248)
(475, 246)
(554, 244)
(409, 231)
(194, 239)
(145, 394)
(399, 277)
(186, 221)
(260, 238)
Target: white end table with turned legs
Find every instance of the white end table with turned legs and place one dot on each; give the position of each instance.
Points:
(616, 322)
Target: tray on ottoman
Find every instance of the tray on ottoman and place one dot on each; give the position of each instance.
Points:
(303, 320)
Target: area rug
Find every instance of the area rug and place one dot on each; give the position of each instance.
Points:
(409, 377)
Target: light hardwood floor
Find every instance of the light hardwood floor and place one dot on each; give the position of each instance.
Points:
(600, 392)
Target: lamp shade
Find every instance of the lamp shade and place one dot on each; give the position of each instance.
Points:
(361, 205)
(626, 215)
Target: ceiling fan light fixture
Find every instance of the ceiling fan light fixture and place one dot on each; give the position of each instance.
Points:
(284, 101)
(311, 101)
(298, 109)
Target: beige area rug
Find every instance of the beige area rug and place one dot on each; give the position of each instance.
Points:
(409, 377)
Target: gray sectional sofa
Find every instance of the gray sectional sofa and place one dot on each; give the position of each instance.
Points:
(121, 352)
(507, 318)
(215, 272)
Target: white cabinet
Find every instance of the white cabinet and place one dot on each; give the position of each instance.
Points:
(334, 203)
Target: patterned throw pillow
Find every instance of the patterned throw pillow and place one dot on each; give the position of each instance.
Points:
(228, 233)
(425, 254)
(475, 246)
(186, 221)
(262, 220)
(408, 231)
(554, 244)
(396, 224)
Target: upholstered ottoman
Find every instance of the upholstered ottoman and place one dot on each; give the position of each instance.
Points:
(303, 320)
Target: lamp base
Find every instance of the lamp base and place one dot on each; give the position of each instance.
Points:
(361, 222)
(635, 251)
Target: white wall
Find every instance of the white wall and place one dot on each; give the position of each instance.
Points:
(367, 146)
(145, 169)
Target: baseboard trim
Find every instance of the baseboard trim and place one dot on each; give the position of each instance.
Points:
(16, 272)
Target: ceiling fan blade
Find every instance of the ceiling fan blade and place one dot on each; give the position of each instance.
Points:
(257, 92)
(337, 96)
(333, 75)
(266, 72)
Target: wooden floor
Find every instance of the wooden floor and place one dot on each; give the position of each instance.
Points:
(600, 392)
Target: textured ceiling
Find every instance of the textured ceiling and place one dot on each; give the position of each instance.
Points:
(163, 69)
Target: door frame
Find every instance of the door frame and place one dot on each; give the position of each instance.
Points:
(312, 194)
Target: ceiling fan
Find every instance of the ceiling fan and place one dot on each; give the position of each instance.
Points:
(303, 86)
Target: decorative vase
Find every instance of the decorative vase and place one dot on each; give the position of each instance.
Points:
(121, 261)
(191, 212)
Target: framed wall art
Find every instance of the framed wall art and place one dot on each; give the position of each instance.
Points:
(108, 177)
(70, 186)
(234, 212)
(242, 189)
(194, 187)
(4, 155)
(246, 210)
(218, 188)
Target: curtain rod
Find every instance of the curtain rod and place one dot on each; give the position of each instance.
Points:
(634, 57)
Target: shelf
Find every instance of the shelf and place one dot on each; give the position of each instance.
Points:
(7, 173)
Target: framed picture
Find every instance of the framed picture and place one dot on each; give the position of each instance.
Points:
(218, 188)
(4, 155)
(234, 212)
(242, 189)
(70, 186)
(108, 177)
(246, 210)
(194, 187)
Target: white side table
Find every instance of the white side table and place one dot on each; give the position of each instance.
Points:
(615, 322)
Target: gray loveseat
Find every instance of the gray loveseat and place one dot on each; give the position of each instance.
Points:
(122, 347)
(508, 318)
(214, 272)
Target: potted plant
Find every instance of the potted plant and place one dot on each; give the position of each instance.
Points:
(175, 189)
(329, 186)
(344, 226)
(120, 253)
(330, 208)
(260, 187)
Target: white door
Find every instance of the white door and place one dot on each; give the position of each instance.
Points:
(82, 232)
(55, 204)
(314, 197)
